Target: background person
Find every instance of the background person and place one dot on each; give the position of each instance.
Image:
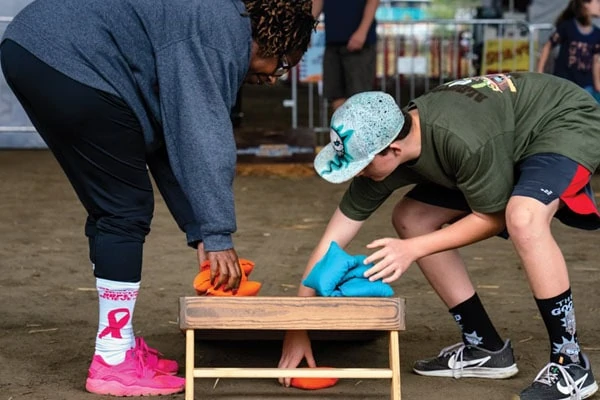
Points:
(350, 47)
(579, 41)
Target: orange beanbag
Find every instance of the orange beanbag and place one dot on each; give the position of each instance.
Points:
(247, 288)
(313, 383)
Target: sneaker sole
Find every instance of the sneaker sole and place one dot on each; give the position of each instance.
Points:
(589, 390)
(586, 392)
(487, 373)
(113, 388)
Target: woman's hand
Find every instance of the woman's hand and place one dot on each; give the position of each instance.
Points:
(391, 260)
(224, 268)
(296, 346)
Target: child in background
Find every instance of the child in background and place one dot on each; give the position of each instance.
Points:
(579, 42)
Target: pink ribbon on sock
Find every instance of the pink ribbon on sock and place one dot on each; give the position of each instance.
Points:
(114, 325)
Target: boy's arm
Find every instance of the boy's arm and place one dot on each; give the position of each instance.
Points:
(395, 255)
(340, 229)
(296, 344)
(470, 229)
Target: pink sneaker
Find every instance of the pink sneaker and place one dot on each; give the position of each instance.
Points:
(133, 377)
(160, 365)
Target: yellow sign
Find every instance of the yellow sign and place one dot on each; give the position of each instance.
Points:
(505, 55)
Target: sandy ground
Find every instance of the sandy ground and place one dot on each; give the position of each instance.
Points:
(48, 307)
(48, 304)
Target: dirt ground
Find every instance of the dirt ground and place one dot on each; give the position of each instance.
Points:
(48, 304)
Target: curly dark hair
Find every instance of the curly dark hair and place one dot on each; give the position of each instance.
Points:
(281, 27)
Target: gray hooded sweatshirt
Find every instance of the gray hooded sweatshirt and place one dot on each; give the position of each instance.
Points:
(179, 65)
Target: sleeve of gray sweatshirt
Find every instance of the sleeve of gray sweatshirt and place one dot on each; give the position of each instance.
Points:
(197, 84)
(175, 199)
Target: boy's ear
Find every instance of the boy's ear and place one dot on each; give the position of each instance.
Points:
(396, 147)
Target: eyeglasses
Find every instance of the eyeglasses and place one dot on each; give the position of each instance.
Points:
(283, 67)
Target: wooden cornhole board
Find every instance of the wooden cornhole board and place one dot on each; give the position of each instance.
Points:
(293, 313)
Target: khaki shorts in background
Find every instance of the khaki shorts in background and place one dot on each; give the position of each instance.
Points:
(346, 73)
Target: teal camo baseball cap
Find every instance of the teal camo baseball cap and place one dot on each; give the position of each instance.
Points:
(362, 127)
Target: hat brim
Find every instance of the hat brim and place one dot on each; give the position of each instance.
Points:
(334, 170)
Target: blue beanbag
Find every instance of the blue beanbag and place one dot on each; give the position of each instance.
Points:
(362, 287)
(340, 274)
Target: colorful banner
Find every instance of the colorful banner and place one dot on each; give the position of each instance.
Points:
(505, 55)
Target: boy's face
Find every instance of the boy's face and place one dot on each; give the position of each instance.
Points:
(382, 165)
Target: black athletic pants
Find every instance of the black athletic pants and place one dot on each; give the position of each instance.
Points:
(99, 144)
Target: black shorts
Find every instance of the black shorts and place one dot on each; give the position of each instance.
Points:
(346, 73)
(544, 177)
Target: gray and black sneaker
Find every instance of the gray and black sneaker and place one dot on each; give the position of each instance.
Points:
(562, 382)
(468, 361)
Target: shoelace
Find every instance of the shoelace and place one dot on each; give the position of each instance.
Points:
(551, 374)
(457, 349)
(140, 345)
(142, 369)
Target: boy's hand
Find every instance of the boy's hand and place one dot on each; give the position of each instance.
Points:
(296, 346)
(391, 260)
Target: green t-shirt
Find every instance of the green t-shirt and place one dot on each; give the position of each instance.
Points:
(475, 130)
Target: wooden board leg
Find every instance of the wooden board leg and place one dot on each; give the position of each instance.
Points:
(395, 365)
(189, 364)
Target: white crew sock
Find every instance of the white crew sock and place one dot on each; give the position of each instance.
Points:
(115, 329)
